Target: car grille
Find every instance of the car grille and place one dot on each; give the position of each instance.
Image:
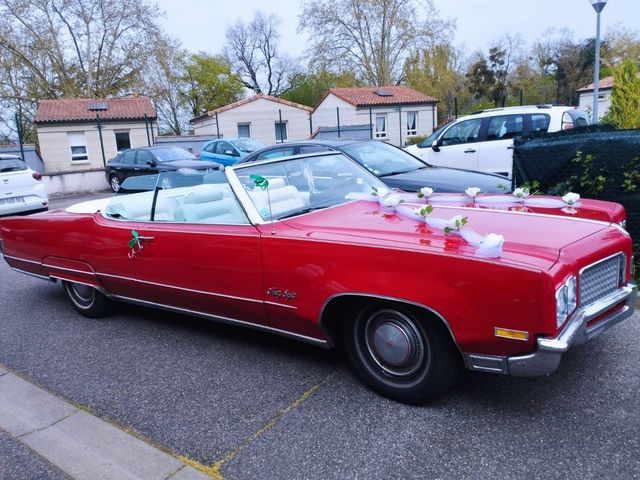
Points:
(602, 278)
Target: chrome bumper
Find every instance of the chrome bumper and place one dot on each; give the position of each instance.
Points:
(547, 357)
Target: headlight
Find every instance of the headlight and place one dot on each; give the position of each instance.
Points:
(566, 300)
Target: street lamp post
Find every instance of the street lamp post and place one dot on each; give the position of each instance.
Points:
(598, 6)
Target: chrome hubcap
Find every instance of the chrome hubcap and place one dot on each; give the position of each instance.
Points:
(395, 343)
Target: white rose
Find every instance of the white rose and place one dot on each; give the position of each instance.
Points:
(454, 222)
(472, 191)
(571, 198)
(426, 191)
(390, 201)
(383, 192)
(521, 192)
(493, 240)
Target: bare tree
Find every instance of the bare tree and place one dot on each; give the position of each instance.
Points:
(91, 48)
(253, 49)
(371, 37)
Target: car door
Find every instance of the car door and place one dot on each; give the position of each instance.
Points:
(194, 258)
(457, 147)
(208, 152)
(146, 163)
(495, 153)
(226, 153)
(125, 165)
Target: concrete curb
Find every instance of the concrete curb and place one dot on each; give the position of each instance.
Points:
(80, 444)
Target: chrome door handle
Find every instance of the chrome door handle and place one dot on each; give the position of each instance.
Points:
(145, 239)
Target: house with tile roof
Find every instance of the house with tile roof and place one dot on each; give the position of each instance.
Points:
(77, 136)
(605, 89)
(391, 113)
(263, 117)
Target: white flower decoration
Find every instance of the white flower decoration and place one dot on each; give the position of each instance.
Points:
(571, 198)
(472, 191)
(493, 240)
(455, 223)
(383, 192)
(391, 201)
(425, 192)
(521, 192)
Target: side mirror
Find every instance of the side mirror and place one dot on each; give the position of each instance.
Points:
(151, 163)
(435, 146)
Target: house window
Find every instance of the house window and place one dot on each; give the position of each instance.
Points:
(123, 142)
(244, 130)
(281, 132)
(78, 146)
(381, 126)
(412, 123)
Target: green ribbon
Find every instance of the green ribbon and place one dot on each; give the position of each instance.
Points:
(134, 241)
(260, 181)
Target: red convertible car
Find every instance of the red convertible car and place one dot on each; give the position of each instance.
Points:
(316, 248)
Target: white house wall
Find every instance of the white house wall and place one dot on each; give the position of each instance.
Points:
(585, 102)
(56, 152)
(325, 115)
(262, 115)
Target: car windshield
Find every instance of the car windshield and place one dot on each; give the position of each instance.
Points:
(382, 159)
(248, 145)
(281, 189)
(169, 154)
(427, 142)
(12, 165)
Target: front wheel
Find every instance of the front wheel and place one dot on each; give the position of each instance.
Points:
(114, 182)
(87, 300)
(400, 356)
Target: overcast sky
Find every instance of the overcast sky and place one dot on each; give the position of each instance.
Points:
(201, 24)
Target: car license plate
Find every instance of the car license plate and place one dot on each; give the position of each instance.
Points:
(11, 200)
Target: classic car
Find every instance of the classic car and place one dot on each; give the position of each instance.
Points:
(397, 168)
(316, 248)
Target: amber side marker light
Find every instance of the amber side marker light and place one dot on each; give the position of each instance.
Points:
(511, 334)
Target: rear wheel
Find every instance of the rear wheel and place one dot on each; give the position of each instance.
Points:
(87, 300)
(114, 182)
(399, 355)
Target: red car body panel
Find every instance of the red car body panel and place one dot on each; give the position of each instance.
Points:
(282, 275)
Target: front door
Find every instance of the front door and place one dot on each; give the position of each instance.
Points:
(457, 147)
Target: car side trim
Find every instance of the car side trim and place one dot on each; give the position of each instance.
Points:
(227, 320)
(137, 280)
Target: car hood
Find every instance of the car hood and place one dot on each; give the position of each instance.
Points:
(444, 179)
(531, 240)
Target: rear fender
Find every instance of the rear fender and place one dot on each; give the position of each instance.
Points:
(72, 271)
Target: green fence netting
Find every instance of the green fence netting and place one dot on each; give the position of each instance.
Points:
(596, 162)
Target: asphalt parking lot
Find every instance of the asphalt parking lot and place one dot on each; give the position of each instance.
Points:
(260, 406)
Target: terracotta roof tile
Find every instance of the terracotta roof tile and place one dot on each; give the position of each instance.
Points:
(391, 95)
(78, 109)
(604, 83)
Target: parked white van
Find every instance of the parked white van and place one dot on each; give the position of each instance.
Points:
(483, 141)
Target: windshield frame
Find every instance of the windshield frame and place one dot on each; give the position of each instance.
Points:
(251, 209)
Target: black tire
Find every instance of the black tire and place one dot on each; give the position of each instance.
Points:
(114, 183)
(87, 300)
(402, 357)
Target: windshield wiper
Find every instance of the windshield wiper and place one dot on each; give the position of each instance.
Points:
(302, 211)
(397, 172)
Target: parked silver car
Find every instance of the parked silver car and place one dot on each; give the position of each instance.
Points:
(21, 188)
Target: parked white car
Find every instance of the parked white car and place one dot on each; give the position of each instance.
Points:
(21, 188)
(483, 141)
